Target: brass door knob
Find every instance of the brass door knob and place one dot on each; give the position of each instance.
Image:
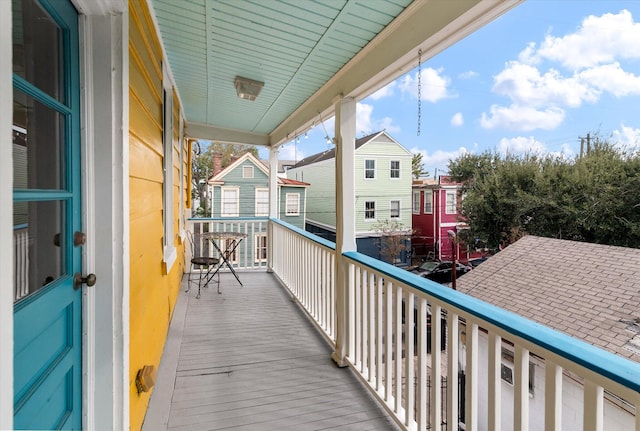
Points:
(79, 280)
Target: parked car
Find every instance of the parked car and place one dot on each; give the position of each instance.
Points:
(441, 272)
(473, 263)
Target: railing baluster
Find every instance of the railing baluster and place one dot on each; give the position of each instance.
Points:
(593, 406)
(398, 349)
(521, 389)
(494, 381)
(409, 330)
(371, 289)
(453, 384)
(552, 397)
(422, 417)
(436, 365)
(471, 381)
(388, 343)
(379, 334)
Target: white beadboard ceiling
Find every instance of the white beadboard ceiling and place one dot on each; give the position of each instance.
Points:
(307, 53)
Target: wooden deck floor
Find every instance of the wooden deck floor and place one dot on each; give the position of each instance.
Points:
(249, 359)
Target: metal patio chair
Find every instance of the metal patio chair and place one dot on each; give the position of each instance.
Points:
(206, 265)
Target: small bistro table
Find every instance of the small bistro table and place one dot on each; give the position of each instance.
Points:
(231, 241)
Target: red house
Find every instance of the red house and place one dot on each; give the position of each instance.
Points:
(435, 207)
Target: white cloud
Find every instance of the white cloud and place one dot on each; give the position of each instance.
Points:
(385, 91)
(598, 40)
(591, 57)
(366, 123)
(627, 137)
(522, 118)
(439, 159)
(520, 145)
(457, 119)
(468, 74)
(611, 78)
(433, 85)
(525, 85)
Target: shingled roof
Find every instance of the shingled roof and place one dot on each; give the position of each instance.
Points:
(588, 291)
(330, 154)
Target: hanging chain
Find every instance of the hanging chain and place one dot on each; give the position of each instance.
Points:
(419, 89)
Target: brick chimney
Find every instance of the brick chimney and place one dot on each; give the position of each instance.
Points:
(217, 163)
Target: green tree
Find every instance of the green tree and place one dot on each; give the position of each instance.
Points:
(202, 167)
(594, 198)
(417, 166)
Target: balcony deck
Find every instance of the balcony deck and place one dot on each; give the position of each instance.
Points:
(249, 359)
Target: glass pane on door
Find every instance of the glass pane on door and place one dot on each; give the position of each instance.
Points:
(37, 48)
(38, 241)
(38, 150)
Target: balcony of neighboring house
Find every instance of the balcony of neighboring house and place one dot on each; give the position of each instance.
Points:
(262, 354)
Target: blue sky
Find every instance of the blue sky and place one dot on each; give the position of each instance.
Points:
(536, 79)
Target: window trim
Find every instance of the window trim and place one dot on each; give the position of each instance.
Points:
(169, 252)
(370, 169)
(428, 193)
(286, 204)
(223, 201)
(453, 193)
(369, 219)
(391, 209)
(250, 168)
(415, 207)
(264, 190)
(391, 177)
(258, 247)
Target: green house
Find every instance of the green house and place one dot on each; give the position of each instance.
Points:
(382, 190)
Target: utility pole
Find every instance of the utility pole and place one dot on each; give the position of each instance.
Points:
(588, 138)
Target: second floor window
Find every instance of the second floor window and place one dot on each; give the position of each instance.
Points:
(369, 169)
(394, 209)
(428, 202)
(451, 206)
(229, 202)
(370, 210)
(416, 202)
(293, 204)
(262, 202)
(394, 167)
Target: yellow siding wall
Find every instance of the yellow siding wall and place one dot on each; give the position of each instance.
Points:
(153, 293)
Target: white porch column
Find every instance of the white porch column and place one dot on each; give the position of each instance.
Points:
(345, 135)
(6, 221)
(273, 202)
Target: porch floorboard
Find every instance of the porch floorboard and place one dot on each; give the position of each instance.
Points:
(250, 359)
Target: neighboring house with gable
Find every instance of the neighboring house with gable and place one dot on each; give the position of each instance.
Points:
(382, 185)
(588, 291)
(241, 191)
(436, 207)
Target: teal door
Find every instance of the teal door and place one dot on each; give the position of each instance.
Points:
(47, 216)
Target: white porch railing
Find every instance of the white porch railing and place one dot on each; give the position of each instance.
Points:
(389, 349)
(248, 255)
(21, 261)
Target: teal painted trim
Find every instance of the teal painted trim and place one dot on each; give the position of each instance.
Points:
(227, 219)
(31, 90)
(21, 226)
(311, 237)
(616, 368)
(35, 195)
